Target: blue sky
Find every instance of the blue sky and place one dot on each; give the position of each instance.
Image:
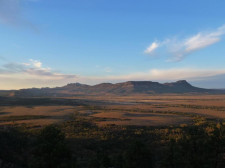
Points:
(55, 42)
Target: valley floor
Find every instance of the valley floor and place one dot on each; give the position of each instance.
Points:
(164, 110)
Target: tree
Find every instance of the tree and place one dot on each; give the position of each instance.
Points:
(51, 150)
(138, 155)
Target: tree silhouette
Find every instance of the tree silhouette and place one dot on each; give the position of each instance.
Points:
(51, 150)
(138, 155)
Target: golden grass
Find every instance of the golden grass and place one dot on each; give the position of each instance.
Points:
(54, 114)
(140, 119)
(153, 110)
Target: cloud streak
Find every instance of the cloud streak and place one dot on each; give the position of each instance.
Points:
(178, 49)
(32, 70)
(201, 77)
(11, 13)
(152, 48)
(165, 75)
(33, 74)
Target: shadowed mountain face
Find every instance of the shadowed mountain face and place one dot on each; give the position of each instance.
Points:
(125, 88)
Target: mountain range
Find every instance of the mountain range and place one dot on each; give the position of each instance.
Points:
(124, 88)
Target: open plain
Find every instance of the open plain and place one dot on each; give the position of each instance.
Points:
(139, 110)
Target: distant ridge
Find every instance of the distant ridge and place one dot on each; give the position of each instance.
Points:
(124, 88)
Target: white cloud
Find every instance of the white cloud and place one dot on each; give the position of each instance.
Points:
(36, 63)
(179, 48)
(33, 63)
(31, 70)
(152, 48)
(199, 41)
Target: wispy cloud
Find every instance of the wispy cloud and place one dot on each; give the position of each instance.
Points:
(32, 69)
(152, 48)
(11, 13)
(178, 49)
(33, 74)
(34, 63)
(160, 75)
(3, 58)
(108, 69)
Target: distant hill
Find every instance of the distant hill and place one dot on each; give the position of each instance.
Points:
(125, 88)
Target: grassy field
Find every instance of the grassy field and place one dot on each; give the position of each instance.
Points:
(34, 115)
(164, 110)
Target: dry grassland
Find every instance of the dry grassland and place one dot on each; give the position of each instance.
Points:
(163, 110)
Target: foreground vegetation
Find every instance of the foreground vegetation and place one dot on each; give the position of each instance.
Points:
(76, 137)
(81, 143)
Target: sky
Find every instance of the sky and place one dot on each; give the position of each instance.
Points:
(48, 43)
